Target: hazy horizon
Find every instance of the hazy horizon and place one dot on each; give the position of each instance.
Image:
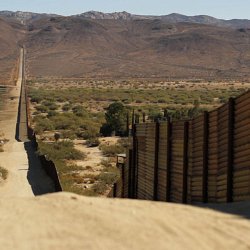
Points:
(222, 9)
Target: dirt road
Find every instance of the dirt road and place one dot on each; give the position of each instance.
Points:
(26, 176)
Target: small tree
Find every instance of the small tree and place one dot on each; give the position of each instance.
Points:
(116, 117)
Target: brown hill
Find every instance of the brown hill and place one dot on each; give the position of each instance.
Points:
(80, 47)
(84, 47)
(11, 34)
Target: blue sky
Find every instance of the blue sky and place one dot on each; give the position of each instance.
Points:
(227, 9)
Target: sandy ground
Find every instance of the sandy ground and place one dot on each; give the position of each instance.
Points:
(67, 221)
(14, 158)
(22, 181)
(94, 154)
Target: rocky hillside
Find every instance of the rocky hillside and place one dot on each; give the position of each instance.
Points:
(23, 17)
(171, 18)
(122, 45)
(80, 47)
(11, 33)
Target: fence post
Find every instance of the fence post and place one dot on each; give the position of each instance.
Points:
(134, 163)
(230, 149)
(123, 180)
(115, 190)
(127, 124)
(130, 170)
(156, 160)
(143, 117)
(205, 157)
(185, 162)
(133, 118)
(169, 155)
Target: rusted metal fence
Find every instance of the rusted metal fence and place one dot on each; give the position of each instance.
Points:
(206, 159)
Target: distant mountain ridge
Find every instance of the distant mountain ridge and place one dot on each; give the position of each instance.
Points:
(24, 16)
(171, 18)
(122, 45)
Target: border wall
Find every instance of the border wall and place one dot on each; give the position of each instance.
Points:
(206, 159)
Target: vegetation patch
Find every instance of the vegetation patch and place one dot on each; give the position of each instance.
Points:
(3, 173)
(78, 113)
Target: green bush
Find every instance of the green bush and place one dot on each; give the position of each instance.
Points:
(68, 134)
(52, 113)
(62, 150)
(42, 108)
(36, 99)
(66, 107)
(80, 111)
(112, 150)
(43, 124)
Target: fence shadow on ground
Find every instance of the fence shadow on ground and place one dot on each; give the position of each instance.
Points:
(241, 209)
(39, 181)
(17, 135)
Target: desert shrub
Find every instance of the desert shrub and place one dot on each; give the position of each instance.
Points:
(42, 108)
(4, 173)
(65, 121)
(53, 106)
(42, 125)
(36, 99)
(107, 177)
(90, 132)
(93, 142)
(80, 111)
(99, 187)
(112, 150)
(162, 101)
(69, 185)
(110, 176)
(51, 113)
(66, 107)
(68, 134)
(106, 163)
(60, 151)
(155, 115)
(106, 129)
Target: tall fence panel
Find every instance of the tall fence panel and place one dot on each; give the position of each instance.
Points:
(142, 167)
(177, 167)
(241, 175)
(149, 161)
(197, 158)
(162, 162)
(222, 177)
(212, 156)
